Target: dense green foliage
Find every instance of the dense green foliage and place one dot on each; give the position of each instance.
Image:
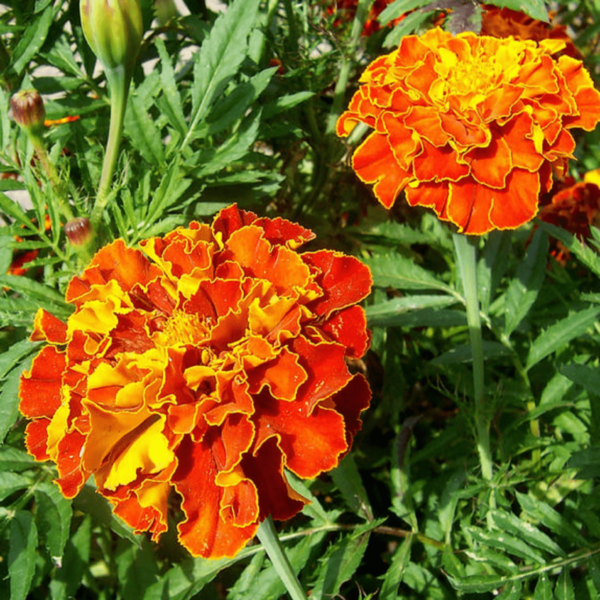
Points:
(240, 106)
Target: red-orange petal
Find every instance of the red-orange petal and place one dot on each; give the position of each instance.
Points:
(40, 389)
(349, 328)
(469, 205)
(439, 164)
(343, 279)
(492, 164)
(46, 327)
(518, 202)
(350, 402)
(204, 532)
(231, 219)
(36, 438)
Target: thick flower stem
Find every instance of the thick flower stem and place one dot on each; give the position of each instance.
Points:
(118, 81)
(269, 539)
(466, 254)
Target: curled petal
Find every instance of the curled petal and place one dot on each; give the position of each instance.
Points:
(40, 389)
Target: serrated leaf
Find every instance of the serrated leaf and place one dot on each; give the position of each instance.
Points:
(401, 273)
(140, 128)
(395, 573)
(512, 591)
(339, 565)
(9, 399)
(523, 290)
(407, 26)
(564, 586)
(526, 531)
(220, 57)
(14, 210)
(285, 103)
(399, 8)
(429, 317)
(174, 110)
(586, 462)
(348, 481)
(15, 354)
(478, 584)
(384, 313)
(53, 516)
(233, 149)
(32, 40)
(543, 588)
(550, 518)
(582, 375)
(246, 582)
(560, 334)
(587, 255)
(491, 267)
(506, 542)
(21, 554)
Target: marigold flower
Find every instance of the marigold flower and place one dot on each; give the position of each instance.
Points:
(205, 363)
(470, 126)
(574, 207)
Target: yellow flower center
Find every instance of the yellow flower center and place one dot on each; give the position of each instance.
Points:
(183, 329)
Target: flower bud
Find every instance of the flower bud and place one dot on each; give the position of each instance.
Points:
(78, 231)
(113, 29)
(28, 110)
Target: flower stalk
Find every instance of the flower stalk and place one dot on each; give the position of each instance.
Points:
(270, 541)
(466, 254)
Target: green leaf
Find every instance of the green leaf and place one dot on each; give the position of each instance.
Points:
(534, 8)
(233, 149)
(32, 40)
(53, 517)
(339, 565)
(67, 580)
(15, 354)
(137, 569)
(594, 569)
(395, 573)
(502, 540)
(523, 290)
(246, 583)
(348, 481)
(429, 317)
(399, 8)
(220, 57)
(140, 128)
(585, 253)
(11, 483)
(560, 334)
(551, 519)
(564, 586)
(582, 375)
(401, 273)
(21, 554)
(14, 210)
(172, 106)
(543, 589)
(407, 26)
(586, 462)
(522, 529)
(511, 591)
(479, 584)
(172, 186)
(463, 353)
(285, 103)
(385, 313)
(15, 459)
(9, 399)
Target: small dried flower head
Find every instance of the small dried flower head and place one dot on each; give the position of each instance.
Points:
(203, 365)
(114, 30)
(78, 231)
(28, 110)
(470, 126)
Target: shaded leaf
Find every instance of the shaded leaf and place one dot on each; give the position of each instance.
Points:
(395, 573)
(53, 517)
(21, 554)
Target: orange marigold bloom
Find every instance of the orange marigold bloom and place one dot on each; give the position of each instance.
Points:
(203, 363)
(470, 126)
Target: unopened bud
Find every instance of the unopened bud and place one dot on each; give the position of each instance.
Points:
(113, 29)
(78, 231)
(28, 110)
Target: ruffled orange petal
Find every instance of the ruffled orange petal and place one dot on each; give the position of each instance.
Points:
(518, 203)
(492, 164)
(374, 162)
(437, 164)
(348, 327)
(469, 205)
(48, 328)
(36, 438)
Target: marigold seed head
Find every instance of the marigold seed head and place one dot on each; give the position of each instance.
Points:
(470, 126)
(203, 363)
(28, 110)
(78, 231)
(114, 30)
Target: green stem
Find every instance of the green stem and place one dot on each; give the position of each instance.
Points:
(466, 254)
(118, 80)
(339, 95)
(270, 541)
